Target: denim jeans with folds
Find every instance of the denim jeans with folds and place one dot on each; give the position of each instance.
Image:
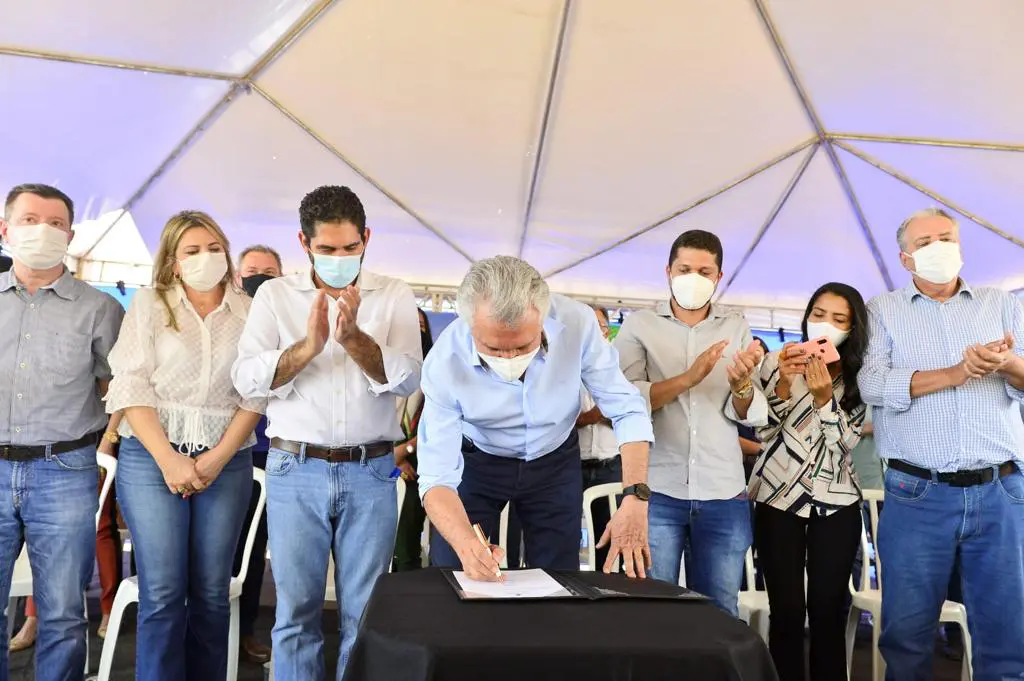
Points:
(923, 529)
(49, 504)
(184, 549)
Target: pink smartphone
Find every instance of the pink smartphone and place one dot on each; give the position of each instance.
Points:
(822, 347)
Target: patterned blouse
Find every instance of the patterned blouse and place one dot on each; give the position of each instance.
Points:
(805, 465)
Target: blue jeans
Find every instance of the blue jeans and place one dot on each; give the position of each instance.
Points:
(184, 549)
(315, 508)
(50, 504)
(715, 534)
(924, 528)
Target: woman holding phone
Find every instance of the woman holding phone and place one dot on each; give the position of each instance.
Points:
(807, 514)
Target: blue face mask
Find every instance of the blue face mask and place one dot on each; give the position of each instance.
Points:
(336, 271)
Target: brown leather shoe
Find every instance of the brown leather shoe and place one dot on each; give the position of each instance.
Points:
(254, 651)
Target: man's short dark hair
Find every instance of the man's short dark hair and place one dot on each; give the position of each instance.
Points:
(44, 191)
(333, 204)
(260, 248)
(699, 240)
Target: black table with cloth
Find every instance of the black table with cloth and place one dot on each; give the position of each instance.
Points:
(417, 629)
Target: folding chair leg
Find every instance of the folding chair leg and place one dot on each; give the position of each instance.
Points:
(851, 636)
(877, 663)
(233, 641)
(121, 601)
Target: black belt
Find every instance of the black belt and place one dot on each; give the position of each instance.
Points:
(958, 478)
(334, 454)
(31, 452)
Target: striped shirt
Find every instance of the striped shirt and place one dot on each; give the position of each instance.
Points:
(974, 426)
(805, 465)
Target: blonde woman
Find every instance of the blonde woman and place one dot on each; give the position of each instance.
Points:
(185, 466)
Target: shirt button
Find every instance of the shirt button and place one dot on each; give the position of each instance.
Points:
(28, 336)
(17, 430)
(32, 306)
(22, 365)
(19, 396)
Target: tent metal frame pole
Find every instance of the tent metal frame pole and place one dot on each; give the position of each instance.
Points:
(243, 85)
(815, 120)
(926, 142)
(322, 141)
(930, 193)
(779, 205)
(750, 174)
(9, 51)
(545, 122)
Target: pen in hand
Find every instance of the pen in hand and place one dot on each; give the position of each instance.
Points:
(487, 545)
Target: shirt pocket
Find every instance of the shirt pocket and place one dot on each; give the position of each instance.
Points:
(66, 355)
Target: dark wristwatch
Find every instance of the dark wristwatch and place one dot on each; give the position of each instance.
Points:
(639, 490)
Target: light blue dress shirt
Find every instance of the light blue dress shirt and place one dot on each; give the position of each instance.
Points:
(974, 426)
(527, 418)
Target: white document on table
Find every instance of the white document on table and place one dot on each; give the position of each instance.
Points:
(517, 584)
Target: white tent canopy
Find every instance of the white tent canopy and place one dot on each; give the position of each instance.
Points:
(583, 134)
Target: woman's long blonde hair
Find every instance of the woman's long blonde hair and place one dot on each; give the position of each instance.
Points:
(164, 278)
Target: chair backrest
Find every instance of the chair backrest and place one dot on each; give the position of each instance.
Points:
(503, 535)
(109, 466)
(869, 548)
(260, 478)
(748, 569)
(401, 489)
(611, 491)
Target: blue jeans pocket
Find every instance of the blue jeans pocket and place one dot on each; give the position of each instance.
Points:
(77, 460)
(903, 487)
(381, 467)
(1012, 486)
(280, 463)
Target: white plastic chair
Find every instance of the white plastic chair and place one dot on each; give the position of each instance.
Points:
(330, 593)
(21, 578)
(869, 599)
(611, 491)
(128, 592)
(753, 604)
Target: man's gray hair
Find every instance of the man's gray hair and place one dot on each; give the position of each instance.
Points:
(260, 248)
(509, 285)
(924, 213)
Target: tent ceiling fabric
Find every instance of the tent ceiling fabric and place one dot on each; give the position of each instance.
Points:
(580, 133)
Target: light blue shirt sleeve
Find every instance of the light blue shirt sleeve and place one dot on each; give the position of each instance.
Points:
(880, 384)
(618, 399)
(439, 435)
(1017, 331)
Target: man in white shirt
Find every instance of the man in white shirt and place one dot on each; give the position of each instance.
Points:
(694, 362)
(599, 452)
(332, 348)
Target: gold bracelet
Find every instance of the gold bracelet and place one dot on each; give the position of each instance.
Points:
(112, 437)
(743, 393)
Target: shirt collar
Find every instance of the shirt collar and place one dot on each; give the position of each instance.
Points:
(64, 286)
(664, 309)
(234, 300)
(911, 292)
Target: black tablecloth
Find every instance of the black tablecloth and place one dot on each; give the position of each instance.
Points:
(416, 629)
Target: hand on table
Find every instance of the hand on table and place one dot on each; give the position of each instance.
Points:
(627, 532)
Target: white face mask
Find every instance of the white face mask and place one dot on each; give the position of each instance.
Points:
(692, 291)
(939, 262)
(38, 247)
(819, 329)
(510, 368)
(203, 271)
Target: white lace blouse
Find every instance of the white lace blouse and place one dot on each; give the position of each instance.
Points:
(185, 374)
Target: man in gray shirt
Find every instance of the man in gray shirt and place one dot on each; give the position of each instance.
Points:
(674, 355)
(55, 333)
